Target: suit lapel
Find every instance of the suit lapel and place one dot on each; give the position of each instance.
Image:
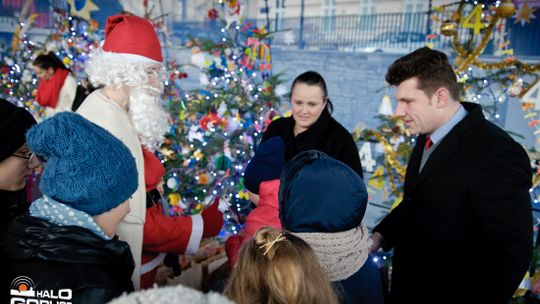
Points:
(414, 164)
(446, 148)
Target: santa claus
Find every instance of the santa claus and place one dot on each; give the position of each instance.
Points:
(129, 67)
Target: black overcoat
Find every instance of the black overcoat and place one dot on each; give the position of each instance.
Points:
(463, 233)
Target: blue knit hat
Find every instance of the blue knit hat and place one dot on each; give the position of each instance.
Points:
(266, 165)
(320, 194)
(86, 167)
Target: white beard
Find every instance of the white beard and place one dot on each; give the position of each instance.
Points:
(148, 117)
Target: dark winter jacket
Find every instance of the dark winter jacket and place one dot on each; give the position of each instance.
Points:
(320, 194)
(12, 204)
(325, 135)
(463, 232)
(58, 258)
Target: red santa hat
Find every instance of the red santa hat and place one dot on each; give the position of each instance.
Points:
(132, 37)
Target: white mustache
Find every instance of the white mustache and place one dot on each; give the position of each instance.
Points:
(148, 117)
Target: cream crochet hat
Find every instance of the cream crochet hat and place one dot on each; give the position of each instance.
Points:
(172, 295)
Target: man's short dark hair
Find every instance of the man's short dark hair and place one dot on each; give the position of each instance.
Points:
(431, 67)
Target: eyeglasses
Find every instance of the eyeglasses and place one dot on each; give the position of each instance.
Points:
(30, 157)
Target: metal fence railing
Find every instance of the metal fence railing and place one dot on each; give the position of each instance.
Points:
(378, 32)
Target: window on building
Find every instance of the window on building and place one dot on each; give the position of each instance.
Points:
(329, 15)
(368, 18)
(413, 20)
(280, 10)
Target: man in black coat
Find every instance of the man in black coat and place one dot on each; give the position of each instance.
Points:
(463, 232)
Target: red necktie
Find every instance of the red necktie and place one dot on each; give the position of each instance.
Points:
(428, 143)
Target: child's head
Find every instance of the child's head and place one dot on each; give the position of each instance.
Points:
(86, 167)
(266, 165)
(278, 267)
(320, 194)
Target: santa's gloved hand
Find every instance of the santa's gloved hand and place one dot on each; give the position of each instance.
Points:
(232, 247)
(212, 220)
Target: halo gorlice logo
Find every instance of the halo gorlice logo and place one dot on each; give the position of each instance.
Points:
(23, 292)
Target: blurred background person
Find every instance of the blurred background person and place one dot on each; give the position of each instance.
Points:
(57, 86)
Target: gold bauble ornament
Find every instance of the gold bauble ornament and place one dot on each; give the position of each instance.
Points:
(448, 28)
(506, 9)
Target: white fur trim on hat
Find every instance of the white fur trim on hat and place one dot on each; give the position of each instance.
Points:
(128, 57)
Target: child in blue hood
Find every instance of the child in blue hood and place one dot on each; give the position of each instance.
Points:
(323, 201)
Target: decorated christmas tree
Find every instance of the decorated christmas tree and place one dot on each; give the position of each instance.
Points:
(72, 41)
(384, 153)
(18, 81)
(216, 127)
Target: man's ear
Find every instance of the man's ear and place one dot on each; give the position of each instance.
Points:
(442, 96)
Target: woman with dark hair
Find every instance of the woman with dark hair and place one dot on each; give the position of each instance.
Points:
(16, 164)
(57, 87)
(311, 126)
(16, 161)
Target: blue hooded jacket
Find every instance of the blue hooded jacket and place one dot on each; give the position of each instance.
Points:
(321, 194)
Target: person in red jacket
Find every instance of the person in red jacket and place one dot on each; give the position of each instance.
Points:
(261, 179)
(164, 234)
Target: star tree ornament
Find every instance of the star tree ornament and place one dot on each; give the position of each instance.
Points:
(525, 13)
(82, 8)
